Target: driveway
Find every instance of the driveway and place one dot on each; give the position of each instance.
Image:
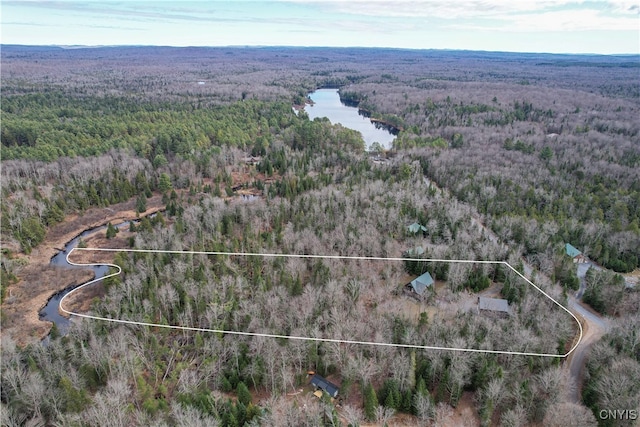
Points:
(594, 327)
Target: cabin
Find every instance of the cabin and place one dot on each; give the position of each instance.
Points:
(252, 160)
(415, 252)
(415, 227)
(494, 305)
(574, 253)
(419, 285)
(325, 385)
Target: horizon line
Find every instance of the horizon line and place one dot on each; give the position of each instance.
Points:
(258, 46)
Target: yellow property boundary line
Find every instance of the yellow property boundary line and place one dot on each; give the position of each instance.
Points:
(300, 338)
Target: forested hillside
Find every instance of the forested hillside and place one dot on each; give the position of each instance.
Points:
(500, 157)
(548, 159)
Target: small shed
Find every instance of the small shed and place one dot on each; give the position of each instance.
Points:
(415, 252)
(493, 304)
(252, 160)
(574, 253)
(323, 384)
(421, 283)
(415, 227)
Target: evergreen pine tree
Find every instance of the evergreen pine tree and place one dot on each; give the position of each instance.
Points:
(54, 333)
(226, 385)
(390, 402)
(111, 231)
(141, 203)
(164, 183)
(407, 399)
(370, 402)
(244, 395)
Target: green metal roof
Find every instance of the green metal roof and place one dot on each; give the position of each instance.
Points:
(415, 227)
(420, 284)
(571, 251)
(417, 251)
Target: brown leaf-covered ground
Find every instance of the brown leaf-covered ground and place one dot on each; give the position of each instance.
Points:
(38, 280)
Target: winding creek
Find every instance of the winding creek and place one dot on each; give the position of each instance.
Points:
(326, 103)
(50, 312)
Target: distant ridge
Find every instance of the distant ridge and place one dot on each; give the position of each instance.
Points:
(436, 52)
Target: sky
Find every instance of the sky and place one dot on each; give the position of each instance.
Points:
(554, 26)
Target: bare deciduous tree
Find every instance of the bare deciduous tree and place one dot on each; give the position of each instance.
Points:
(569, 415)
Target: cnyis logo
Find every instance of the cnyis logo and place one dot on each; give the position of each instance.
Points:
(618, 414)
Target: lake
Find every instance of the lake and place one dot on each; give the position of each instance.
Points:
(327, 104)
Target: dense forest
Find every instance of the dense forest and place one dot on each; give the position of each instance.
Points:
(500, 157)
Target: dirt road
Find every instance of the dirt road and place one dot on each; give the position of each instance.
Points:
(594, 327)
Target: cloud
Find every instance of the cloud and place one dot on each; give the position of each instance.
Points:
(163, 12)
(561, 21)
(108, 9)
(503, 16)
(629, 7)
(580, 20)
(399, 23)
(445, 9)
(601, 15)
(469, 14)
(128, 10)
(94, 26)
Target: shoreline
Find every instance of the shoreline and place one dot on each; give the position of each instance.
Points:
(21, 311)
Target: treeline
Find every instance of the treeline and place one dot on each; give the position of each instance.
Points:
(358, 208)
(45, 126)
(222, 75)
(42, 194)
(530, 161)
(613, 372)
(537, 158)
(37, 196)
(607, 293)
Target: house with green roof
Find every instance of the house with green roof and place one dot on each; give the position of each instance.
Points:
(420, 284)
(415, 252)
(415, 227)
(574, 253)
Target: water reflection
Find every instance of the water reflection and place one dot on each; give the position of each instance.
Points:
(327, 104)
